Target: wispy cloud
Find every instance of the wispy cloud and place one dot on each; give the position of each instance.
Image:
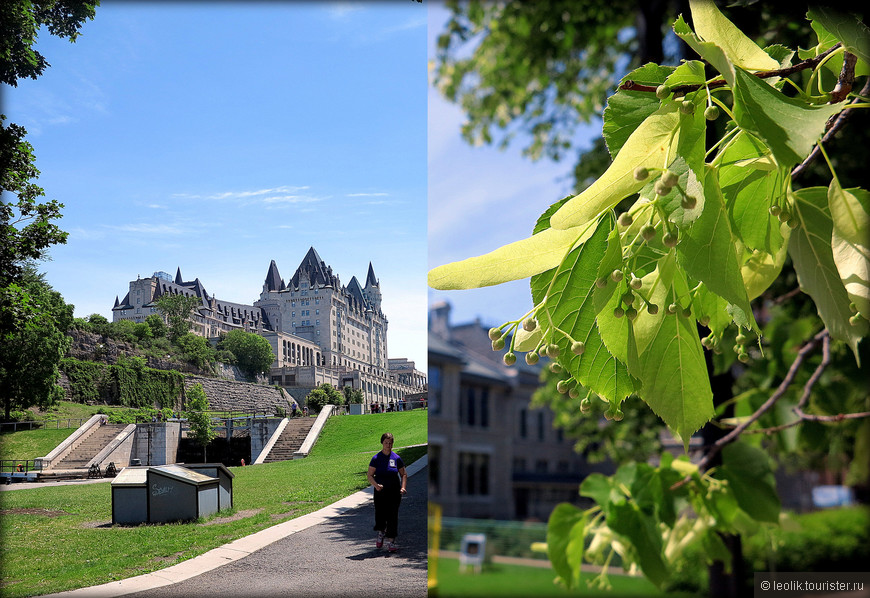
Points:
(148, 228)
(343, 10)
(291, 199)
(414, 23)
(156, 206)
(367, 194)
(236, 195)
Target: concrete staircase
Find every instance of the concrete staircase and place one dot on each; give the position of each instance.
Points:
(290, 439)
(79, 457)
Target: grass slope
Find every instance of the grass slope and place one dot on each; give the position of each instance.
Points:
(73, 544)
(31, 444)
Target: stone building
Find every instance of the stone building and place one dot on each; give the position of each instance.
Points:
(490, 454)
(320, 330)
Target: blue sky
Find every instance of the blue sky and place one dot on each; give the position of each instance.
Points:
(481, 198)
(216, 137)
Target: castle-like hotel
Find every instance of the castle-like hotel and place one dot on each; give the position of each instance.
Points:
(320, 330)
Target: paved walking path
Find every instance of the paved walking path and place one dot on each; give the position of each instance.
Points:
(330, 552)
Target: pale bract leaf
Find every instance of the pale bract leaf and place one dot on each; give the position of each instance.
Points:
(649, 146)
(789, 126)
(527, 341)
(513, 261)
(813, 258)
(850, 241)
(706, 50)
(712, 26)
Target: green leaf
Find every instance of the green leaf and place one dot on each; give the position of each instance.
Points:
(750, 478)
(813, 258)
(760, 269)
(627, 109)
(566, 521)
(649, 146)
(847, 28)
(750, 180)
(712, 26)
(570, 307)
(850, 213)
(706, 251)
(597, 486)
(514, 261)
(641, 531)
(671, 365)
(711, 305)
(789, 126)
(690, 72)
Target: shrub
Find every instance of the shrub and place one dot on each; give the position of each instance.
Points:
(832, 540)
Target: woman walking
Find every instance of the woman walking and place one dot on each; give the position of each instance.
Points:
(387, 475)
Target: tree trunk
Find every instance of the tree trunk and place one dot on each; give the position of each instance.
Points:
(724, 584)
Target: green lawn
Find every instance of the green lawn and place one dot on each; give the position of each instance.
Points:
(516, 580)
(31, 444)
(71, 544)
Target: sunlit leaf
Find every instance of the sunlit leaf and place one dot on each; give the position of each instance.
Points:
(569, 309)
(690, 72)
(706, 251)
(751, 180)
(789, 126)
(627, 109)
(671, 367)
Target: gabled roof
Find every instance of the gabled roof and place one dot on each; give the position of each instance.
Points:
(316, 269)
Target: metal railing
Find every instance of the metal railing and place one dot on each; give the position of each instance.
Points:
(18, 465)
(56, 424)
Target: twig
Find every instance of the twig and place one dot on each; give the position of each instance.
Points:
(714, 450)
(809, 417)
(786, 297)
(784, 72)
(833, 130)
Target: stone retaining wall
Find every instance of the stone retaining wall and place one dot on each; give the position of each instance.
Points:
(226, 395)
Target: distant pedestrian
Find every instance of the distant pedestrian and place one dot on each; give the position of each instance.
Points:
(305, 411)
(387, 475)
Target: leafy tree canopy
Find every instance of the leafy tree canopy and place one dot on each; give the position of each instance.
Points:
(252, 352)
(704, 158)
(177, 309)
(33, 324)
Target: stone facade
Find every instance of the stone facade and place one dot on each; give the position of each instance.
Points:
(490, 454)
(320, 330)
